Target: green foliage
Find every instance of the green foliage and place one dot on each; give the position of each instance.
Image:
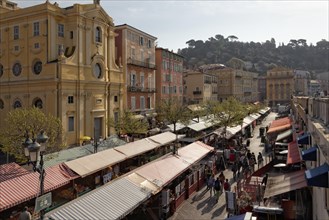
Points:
(297, 54)
(228, 113)
(172, 111)
(127, 123)
(32, 121)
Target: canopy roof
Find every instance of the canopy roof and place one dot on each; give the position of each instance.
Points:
(284, 135)
(293, 153)
(111, 201)
(11, 170)
(280, 125)
(23, 188)
(280, 184)
(95, 162)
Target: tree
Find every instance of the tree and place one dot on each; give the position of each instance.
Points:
(31, 121)
(172, 111)
(228, 113)
(232, 38)
(236, 63)
(128, 123)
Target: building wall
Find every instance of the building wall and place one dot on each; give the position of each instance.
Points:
(137, 52)
(279, 86)
(238, 83)
(67, 73)
(301, 82)
(262, 88)
(169, 75)
(199, 87)
(323, 79)
(315, 113)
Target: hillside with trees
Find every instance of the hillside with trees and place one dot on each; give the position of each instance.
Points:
(257, 57)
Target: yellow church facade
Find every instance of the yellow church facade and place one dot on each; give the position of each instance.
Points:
(61, 60)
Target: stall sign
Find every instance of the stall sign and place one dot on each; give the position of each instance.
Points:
(97, 180)
(177, 190)
(107, 177)
(231, 200)
(43, 202)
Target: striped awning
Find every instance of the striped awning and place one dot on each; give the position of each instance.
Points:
(26, 187)
(111, 201)
(11, 170)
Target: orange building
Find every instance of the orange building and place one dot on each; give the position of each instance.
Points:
(136, 53)
(169, 75)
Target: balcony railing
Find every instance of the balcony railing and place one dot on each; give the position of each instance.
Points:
(140, 63)
(141, 89)
(196, 92)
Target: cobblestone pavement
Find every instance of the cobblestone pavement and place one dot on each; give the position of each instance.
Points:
(201, 205)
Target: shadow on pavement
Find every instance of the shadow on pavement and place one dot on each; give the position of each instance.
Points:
(198, 196)
(218, 212)
(210, 204)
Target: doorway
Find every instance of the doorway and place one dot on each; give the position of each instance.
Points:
(97, 128)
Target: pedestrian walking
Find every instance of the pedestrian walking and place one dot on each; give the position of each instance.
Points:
(217, 188)
(252, 161)
(227, 185)
(234, 169)
(221, 178)
(208, 175)
(211, 183)
(260, 159)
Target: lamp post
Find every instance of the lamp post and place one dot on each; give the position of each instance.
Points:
(96, 143)
(32, 149)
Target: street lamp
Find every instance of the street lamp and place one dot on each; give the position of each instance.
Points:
(96, 143)
(32, 149)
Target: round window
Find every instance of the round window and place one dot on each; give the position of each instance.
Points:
(37, 67)
(98, 71)
(17, 104)
(1, 70)
(17, 69)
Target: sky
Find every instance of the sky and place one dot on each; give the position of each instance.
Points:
(176, 22)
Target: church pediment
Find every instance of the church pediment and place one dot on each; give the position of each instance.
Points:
(97, 13)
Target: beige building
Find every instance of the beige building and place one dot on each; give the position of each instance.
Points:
(241, 84)
(62, 61)
(169, 75)
(279, 86)
(312, 116)
(301, 82)
(136, 51)
(199, 87)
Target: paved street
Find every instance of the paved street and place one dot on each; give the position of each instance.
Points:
(200, 205)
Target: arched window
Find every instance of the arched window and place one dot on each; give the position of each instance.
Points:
(2, 105)
(17, 104)
(38, 103)
(1, 69)
(98, 35)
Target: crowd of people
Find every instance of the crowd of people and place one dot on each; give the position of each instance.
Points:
(243, 165)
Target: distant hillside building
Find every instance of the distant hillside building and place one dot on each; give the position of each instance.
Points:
(169, 75)
(199, 87)
(315, 88)
(301, 82)
(241, 84)
(279, 86)
(262, 88)
(323, 79)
